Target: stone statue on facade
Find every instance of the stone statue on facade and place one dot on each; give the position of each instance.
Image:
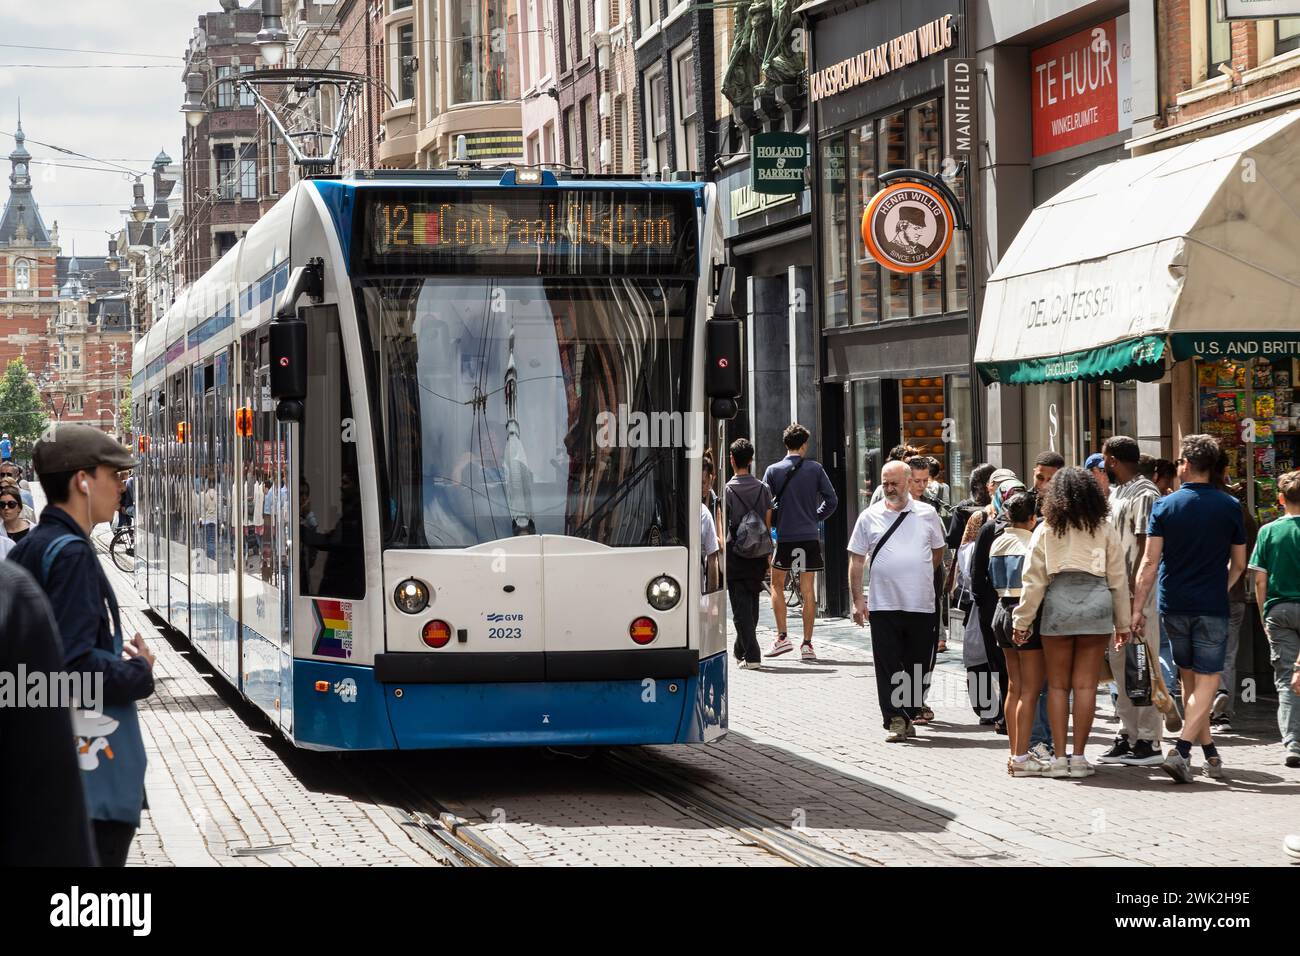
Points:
(764, 53)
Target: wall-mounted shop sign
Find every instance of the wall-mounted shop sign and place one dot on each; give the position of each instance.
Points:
(1082, 86)
(873, 63)
(1258, 9)
(777, 162)
(745, 201)
(959, 105)
(907, 227)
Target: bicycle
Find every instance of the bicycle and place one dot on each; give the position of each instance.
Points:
(122, 549)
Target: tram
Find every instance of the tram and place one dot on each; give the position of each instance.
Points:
(476, 521)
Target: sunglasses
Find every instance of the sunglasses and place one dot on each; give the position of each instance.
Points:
(10, 505)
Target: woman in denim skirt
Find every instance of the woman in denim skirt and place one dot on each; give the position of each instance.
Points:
(1076, 574)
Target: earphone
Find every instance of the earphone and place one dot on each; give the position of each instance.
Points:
(85, 486)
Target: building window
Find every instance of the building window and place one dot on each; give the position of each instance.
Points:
(835, 233)
(685, 113)
(591, 135)
(648, 14)
(1286, 35)
(225, 241)
(22, 275)
(1219, 40)
(548, 143)
(225, 155)
(225, 88)
(76, 358)
(246, 93)
(562, 34)
(923, 139)
(656, 121)
(405, 59)
(248, 171)
(862, 164)
(570, 138)
(401, 5)
(484, 54)
(584, 29)
(532, 156)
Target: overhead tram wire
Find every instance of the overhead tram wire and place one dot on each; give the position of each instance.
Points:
(72, 152)
(67, 49)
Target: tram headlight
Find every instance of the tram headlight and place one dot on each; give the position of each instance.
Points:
(663, 593)
(411, 596)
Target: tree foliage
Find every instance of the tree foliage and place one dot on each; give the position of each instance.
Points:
(22, 413)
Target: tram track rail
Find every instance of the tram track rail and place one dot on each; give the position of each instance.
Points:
(449, 838)
(738, 821)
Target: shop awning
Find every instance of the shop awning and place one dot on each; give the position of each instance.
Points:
(1188, 251)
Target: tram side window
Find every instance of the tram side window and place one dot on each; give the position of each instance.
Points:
(332, 552)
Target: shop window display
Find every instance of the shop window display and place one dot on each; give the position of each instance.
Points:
(1253, 409)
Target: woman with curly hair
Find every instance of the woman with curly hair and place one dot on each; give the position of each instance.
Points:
(1076, 572)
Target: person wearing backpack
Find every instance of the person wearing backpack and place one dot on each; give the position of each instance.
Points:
(749, 544)
(80, 470)
(802, 496)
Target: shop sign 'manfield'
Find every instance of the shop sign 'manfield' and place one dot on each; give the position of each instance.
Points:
(912, 47)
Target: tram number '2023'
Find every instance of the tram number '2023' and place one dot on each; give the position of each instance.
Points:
(395, 220)
(509, 633)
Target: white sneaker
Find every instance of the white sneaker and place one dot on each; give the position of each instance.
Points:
(1060, 768)
(1291, 847)
(751, 665)
(782, 646)
(806, 651)
(1079, 767)
(1042, 752)
(1031, 767)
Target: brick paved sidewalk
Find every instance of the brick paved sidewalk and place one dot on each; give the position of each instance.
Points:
(826, 716)
(219, 797)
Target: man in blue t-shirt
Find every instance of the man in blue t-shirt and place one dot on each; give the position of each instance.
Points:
(1197, 540)
(802, 496)
(6, 448)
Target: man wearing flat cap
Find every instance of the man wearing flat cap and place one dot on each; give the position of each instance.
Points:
(908, 232)
(81, 471)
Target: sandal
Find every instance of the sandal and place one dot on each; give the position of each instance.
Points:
(943, 646)
(924, 717)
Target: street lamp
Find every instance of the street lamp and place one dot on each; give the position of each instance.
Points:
(195, 88)
(272, 40)
(114, 263)
(139, 211)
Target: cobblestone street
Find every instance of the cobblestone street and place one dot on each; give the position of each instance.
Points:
(804, 751)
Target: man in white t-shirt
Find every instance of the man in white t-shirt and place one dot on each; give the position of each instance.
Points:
(903, 542)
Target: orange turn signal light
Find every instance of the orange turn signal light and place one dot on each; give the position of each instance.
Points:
(323, 686)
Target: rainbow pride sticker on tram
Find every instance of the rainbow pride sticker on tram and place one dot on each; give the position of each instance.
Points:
(333, 636)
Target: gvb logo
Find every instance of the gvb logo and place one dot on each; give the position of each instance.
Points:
(76, 909)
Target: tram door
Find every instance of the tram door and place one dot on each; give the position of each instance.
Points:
(265, 498)
(140, 428)
(178, 503)
(223, 455)
(155, 502)
(203, 511)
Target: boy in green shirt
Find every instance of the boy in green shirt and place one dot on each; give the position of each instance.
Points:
(1277, 591)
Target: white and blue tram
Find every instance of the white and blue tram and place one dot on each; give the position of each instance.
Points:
(485, 527)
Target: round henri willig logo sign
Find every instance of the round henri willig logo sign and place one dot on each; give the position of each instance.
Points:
(907, 227)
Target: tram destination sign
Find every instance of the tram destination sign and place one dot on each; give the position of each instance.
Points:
(529, 231)
(777, 163)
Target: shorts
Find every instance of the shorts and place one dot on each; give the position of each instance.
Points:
(1003, 626)
(1200, 641)
(809, 553)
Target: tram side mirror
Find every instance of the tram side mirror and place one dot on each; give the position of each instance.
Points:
(722, 369)
(289, 367)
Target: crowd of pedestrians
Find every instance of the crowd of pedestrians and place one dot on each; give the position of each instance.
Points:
(1126, 573)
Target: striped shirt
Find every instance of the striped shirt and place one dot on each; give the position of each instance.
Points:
(1130, 513)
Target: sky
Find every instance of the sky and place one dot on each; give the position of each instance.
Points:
(123, 115)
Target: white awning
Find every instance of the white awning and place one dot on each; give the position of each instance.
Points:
(1194, 249)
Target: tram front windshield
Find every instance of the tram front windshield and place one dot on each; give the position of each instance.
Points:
(532, 406)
